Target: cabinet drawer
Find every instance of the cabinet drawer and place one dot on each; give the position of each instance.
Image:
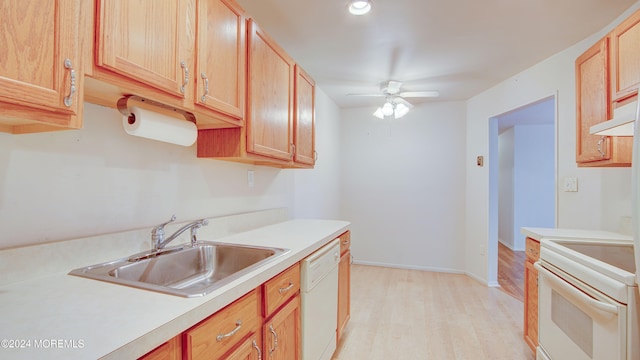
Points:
(533, 249)
(281, 288)
(345, 242)
(222, 331)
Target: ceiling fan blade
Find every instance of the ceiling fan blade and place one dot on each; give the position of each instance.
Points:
(400, 100)
(373, 95)
(429, 93)
(393, 87)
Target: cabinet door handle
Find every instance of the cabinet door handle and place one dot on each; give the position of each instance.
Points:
(275, 339)
(345, 242)
(221, 337)
(315, 156)
(255, 346)
(185, 82)
(293, 148)
(206, 87)
(285, 289)
(68, 100)
(600, 143)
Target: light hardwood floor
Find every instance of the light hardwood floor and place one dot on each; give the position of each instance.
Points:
(409, 314)
(511, 271)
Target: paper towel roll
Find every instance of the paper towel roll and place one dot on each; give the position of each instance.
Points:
(160, 127)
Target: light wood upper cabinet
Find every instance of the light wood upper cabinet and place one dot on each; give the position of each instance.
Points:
(147, 41)
(592, 101)
(625, 64)
(304, 119)
(269, 120)
(221, 60)
(40, 68)
(593, 106)
(280, 111)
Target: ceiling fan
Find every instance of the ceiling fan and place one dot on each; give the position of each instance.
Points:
(395, 104)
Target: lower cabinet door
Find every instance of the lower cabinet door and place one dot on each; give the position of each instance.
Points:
(531, 305)
(281, 334)
(250, 349)
(171, 350)
(344, 292)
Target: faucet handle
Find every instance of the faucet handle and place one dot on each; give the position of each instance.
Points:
(194, 229)
(173, 218)
(157, 233)
(160, 227)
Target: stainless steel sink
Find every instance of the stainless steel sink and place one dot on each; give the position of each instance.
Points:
(187, 271)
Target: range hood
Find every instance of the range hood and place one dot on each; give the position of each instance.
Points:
(624, 118)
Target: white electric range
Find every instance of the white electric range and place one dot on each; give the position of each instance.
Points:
(587, 300)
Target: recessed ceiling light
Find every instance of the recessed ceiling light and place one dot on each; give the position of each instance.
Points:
(359, 7)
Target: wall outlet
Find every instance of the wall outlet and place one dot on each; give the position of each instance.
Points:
(570, 184)
(250, 178)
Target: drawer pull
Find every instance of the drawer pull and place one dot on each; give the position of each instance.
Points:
(345, 242)
(221, 337)
(255, 346)
(600, 143)
(185, 82)
(68, 100)
(275, 339)
(284, 290)
(206, 87)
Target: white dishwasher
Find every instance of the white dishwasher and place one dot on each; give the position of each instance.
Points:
(319, 293)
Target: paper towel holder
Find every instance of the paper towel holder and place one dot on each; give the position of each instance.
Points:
(123, 108)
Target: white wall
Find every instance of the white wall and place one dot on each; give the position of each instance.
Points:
(534, 179)
(317, 191)
(604, 194)
(506, 209)
(70, 184)
(403, 186)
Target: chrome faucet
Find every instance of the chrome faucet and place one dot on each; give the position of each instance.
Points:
(158, 240)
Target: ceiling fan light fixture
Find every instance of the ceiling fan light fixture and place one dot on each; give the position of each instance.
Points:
(359, 7)
(378, 113)
(400, 110)
(387, 109)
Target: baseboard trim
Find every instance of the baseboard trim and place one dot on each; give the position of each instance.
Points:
(409, 267)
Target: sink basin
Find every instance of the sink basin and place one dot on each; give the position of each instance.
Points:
(185, 270)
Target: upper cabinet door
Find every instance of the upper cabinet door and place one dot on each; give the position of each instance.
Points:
(592, 102)
(221, 60)
(146, 40)
(625, 46)
(304, 120)
(39, 56)
(270, 111)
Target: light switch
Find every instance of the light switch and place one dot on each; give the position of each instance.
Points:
(570, 184)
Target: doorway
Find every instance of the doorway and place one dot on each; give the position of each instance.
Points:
(522, 182)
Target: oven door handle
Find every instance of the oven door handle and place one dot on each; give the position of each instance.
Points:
(570, 290)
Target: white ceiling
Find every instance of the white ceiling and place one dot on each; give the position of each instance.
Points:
(459, 47)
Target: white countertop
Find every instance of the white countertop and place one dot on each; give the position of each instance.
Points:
(66, 317)
(540, 233)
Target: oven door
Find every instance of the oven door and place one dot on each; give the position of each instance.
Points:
(575, 321)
